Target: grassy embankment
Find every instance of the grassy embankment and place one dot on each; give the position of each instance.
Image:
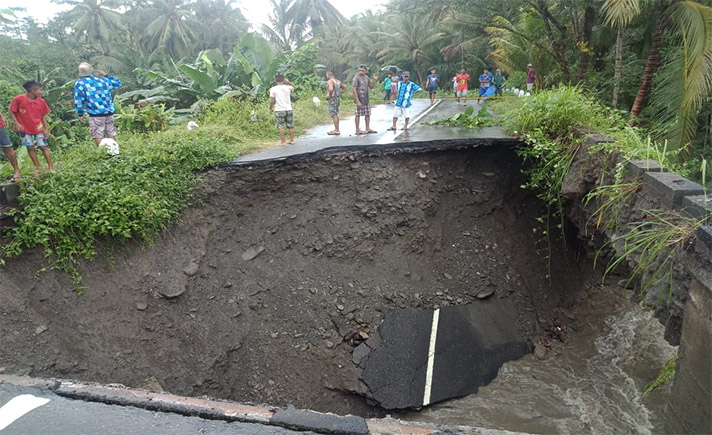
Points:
(140, 192)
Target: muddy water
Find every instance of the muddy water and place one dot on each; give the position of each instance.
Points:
(592, 384)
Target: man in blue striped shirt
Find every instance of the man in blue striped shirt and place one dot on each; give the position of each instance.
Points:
(404, 94)
(92, 96)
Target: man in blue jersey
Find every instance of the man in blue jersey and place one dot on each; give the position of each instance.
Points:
(92, 96)
(404, 94)
(432, 82)
(485, 81)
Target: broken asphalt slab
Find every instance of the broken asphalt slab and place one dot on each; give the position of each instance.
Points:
(470, 343)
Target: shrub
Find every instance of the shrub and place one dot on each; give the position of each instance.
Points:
(135, 194)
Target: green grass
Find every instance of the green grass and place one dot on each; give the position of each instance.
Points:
(664, 377)
(654, 243)
(139, 193)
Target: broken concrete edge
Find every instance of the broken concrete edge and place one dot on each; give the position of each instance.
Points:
(638, 167)
(221, 410)
(698, 206)
(671, 188)
(704, 237)
(387, 149)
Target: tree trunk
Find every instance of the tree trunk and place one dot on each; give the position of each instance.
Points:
(619, 68)
(462, 58)
(650, 67)
(585, 41)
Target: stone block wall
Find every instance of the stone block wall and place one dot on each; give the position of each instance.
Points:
(687, 315)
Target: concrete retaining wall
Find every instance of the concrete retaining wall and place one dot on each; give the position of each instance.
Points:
(687, 313)
(689, 409)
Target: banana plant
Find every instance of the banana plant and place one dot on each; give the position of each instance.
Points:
(211, 76)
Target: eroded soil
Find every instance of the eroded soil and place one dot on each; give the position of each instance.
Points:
(282, 269)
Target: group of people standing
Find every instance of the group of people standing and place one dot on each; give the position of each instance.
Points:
(28, 111)
(490, 84)
(398, 90)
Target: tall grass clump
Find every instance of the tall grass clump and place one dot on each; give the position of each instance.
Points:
(133, 195)
(653, 245)
(547, 122)
(252, 119)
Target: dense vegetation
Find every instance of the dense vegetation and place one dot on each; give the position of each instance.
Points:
(652, 59)
(621, 62)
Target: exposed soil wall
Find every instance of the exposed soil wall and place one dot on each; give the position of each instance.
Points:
(277, 271)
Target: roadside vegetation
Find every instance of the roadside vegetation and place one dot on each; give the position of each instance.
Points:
(552, 125)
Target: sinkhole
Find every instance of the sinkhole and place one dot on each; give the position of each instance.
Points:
(279, 271)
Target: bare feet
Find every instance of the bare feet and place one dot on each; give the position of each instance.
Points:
(291, 142)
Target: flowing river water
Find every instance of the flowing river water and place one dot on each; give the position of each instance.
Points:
(592, 384)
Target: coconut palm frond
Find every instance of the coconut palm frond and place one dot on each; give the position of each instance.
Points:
(686, 81)
(619, 13)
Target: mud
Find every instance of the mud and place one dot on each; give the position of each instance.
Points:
(276, 272)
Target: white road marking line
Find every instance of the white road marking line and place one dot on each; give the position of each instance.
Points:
(19, 406)
(431, 358)
(411, 124)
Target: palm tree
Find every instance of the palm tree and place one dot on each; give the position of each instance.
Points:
(619, 13)
(685, 82)
(284, 33)
(412, 34)
(313, 14)
(95, 23)
(652, 64)
(6, 16)
(219, 23)
(172, 30)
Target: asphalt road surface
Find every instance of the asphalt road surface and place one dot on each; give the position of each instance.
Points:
(381, 119)
(59, 415)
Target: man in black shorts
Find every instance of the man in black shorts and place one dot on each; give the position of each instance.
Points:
(431, 83)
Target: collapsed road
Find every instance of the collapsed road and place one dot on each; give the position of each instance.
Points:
(280, 270)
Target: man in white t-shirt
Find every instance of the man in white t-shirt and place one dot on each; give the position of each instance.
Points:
(280, 103)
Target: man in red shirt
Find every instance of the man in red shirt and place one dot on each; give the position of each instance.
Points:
(461, 90)
(29, 111)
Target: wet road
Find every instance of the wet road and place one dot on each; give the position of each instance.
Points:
(316, 139)
(59, 415)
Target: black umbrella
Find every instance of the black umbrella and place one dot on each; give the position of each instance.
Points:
(391, 68)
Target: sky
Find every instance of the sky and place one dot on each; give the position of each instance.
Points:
(257, 11)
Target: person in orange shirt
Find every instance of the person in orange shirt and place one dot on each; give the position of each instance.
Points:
(463, 80)
(29, 111)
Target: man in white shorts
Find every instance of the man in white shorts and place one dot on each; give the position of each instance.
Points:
(463, 80)
(404, 95)
(531, 77)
